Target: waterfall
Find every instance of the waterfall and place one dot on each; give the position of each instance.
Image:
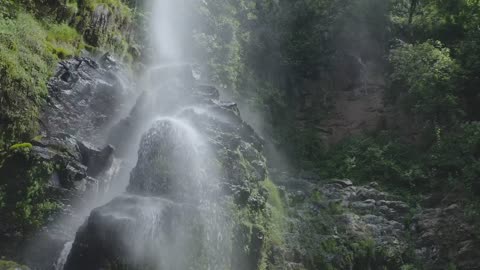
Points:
(169, 218)
(62, 259)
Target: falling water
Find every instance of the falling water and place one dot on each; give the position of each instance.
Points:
(171, 205)
(62, 259)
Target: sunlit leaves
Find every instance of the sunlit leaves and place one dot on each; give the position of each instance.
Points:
(424, 77)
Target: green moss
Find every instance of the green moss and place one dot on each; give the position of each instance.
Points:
(278, 213)
(25, 65)
(29, 50)
(20, 146)
(25, 182)
(9, 265)
(72, 7)
(63, 40)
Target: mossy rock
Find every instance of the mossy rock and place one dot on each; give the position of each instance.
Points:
(9, 265)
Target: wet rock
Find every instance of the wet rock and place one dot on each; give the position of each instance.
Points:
(139, 232)
(76, 159)
(144, 232)
(84, 97)
(342, 182)
(72, 184)
(170, 162)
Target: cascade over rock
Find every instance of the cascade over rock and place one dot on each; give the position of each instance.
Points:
(85, 96)
(190, 169)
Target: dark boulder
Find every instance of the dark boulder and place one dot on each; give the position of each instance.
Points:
(135, 232)
(190, 168)
(171, 161)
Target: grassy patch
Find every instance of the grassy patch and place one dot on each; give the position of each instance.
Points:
(29, 51)
(63, 40)
(276, 206)
(20, 146)
(25, 65)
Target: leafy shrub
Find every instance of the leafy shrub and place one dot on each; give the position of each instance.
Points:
(455, 160)
(423, 78)
(383, 159)
(9, 265)
(24, 187)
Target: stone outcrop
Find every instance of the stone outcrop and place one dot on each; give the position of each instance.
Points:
(69, 169)
(84, 97)
(342, 226)
(444, 238)
(198, 174)
(339, 225)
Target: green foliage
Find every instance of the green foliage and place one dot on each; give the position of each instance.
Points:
(25, 65)
(64, 40)
(455, 159)
(278, 213)
(9, 265)
(381, 159)
(424, 78)
(30, 46)
(29, 50)
(24, 188)
(452, 163)
(20, 145)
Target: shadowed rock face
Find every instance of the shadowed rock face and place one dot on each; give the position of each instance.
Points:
(84, 97)
(190, 168)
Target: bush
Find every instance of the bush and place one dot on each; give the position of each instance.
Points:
(423, 78)
(455, 159)
(383, 159)
(24, 188)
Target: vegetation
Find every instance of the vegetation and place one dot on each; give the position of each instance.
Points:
(263, 53)
(8, 265)
(25, 201)
(266, 52)
(26, 63)
(34, 36)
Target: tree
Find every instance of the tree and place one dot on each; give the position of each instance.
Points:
(424, 77)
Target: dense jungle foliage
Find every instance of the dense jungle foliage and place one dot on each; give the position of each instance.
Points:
(265, 50)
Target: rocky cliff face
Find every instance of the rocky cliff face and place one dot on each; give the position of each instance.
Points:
(337, 225)
(68, 166)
